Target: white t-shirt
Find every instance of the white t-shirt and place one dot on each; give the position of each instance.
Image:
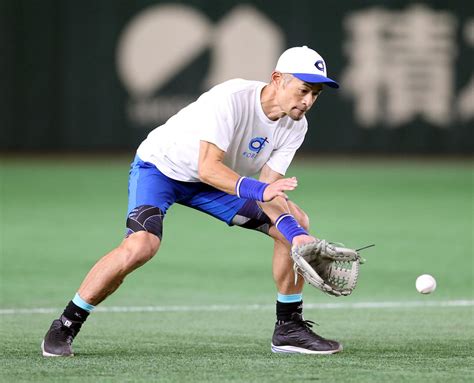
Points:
(230, 116)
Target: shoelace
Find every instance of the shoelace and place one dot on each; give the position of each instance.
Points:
(307, 324)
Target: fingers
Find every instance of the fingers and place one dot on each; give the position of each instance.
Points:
(278, 188)
(287, 183)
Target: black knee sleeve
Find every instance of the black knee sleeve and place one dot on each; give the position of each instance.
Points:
(145, 218)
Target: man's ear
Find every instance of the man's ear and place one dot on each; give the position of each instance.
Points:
(277, 78)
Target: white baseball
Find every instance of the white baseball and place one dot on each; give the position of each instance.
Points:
(425, 284)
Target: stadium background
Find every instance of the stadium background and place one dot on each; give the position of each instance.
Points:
(69, 82)
(83, 82)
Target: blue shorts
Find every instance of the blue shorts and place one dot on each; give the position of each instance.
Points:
(148, 186)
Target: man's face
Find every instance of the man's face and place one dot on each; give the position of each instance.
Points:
(296, 97)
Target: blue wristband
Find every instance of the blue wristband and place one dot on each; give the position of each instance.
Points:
(289, 227)
(250, 188)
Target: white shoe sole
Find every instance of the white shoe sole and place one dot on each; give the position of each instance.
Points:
(48, 354)
(299, 350)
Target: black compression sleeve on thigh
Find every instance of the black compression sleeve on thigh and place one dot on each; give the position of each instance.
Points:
(146, 218)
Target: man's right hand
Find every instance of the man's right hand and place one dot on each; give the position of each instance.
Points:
(277, 188)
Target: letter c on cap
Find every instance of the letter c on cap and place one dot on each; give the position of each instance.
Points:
(320, 65)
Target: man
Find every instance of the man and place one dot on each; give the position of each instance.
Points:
(201, 158)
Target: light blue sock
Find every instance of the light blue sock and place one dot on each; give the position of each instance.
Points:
(289, 298)
(79, 302)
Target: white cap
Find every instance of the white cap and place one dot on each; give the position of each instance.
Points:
(305, 64)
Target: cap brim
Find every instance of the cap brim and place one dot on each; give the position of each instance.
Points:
(316, 78)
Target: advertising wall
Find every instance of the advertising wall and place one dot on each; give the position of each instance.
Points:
(82, 75)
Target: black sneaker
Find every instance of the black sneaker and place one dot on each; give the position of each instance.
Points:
(296, 336)
(58, 339)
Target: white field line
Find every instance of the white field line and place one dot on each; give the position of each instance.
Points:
(217, 308)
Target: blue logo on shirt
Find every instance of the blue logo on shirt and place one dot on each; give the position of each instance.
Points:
(255, 145)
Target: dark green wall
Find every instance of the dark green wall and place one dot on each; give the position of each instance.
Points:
(60, 89)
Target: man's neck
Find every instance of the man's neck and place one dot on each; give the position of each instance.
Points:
(269, 103)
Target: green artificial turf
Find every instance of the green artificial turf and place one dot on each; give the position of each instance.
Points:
(58, 216)
(380, 345)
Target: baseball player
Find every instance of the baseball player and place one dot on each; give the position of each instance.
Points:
(204, 157)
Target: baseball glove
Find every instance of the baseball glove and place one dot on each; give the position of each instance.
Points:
(330, 268)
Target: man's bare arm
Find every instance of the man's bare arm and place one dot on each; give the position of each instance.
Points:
(277, 206)
(214, 172)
